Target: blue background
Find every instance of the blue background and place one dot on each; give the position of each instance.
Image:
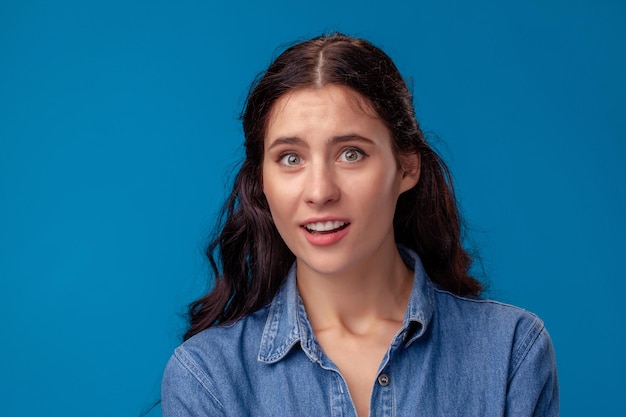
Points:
(118, 132)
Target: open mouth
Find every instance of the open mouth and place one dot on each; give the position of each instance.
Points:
(323, 228)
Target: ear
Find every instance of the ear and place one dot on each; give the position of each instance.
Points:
(410, 165)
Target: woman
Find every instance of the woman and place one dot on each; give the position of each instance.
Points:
(341, 286)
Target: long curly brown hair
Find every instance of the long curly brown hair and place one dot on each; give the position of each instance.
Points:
(248, 257)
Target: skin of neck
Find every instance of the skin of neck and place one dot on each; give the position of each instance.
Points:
(360, 298)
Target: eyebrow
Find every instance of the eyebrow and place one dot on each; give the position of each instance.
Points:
(294, 140)
(291, 140)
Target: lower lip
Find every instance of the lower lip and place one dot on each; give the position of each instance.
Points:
(325, 239)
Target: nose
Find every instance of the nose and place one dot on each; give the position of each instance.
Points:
(321, 186)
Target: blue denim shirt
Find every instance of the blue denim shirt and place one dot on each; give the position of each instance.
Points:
(453, 356)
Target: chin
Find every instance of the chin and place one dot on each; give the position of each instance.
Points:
(327, 264)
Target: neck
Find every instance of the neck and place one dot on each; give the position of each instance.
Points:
(359, 298)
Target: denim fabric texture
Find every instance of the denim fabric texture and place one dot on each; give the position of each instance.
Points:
(453, 356)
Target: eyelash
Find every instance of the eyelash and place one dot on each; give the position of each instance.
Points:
(360, 153)
(282, 157)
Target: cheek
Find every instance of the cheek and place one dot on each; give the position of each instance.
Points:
(269, 185)
(381, 184)
(279, 200)
(382, 195)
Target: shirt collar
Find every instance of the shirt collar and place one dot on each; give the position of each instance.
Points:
(287, 323)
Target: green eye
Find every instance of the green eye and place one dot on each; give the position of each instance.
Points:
(291, 159)
(351, 155)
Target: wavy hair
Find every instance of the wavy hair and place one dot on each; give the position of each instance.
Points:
(248, 257)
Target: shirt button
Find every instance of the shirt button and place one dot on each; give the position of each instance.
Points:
(383, 380)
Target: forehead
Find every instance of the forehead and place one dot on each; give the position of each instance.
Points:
(313, 101)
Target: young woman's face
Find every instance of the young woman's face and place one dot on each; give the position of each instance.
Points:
(331, 179)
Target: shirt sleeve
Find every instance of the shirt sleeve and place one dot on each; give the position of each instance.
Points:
(533, 389)
(187, 392)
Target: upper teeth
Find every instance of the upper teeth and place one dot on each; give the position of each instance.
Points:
(324, 226)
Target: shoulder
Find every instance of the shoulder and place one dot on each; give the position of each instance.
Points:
(491, 327)
(484, 313)
(224, 343)
(211, 359)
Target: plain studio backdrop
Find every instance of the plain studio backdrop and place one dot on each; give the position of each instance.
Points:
(119, 132)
